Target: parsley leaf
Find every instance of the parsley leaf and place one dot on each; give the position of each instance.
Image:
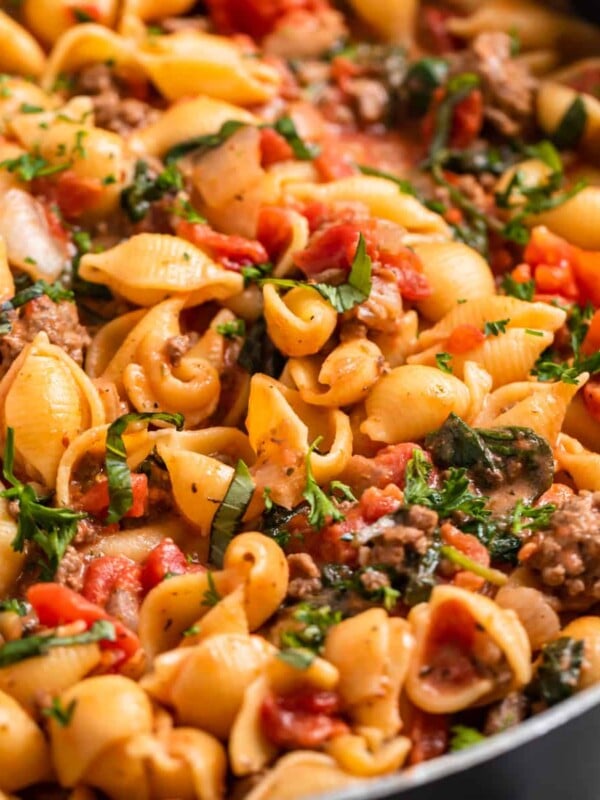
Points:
(533, 518)
(32, 165)
(521, 290)
(346, 295)
(61, 715)
(19, 649)
(229, 514)
(211, 595)
(321, 508)
(495, 328)
(51, 529)
(232, 329)
(298, 658)
(55, 291)
(463, 737)
(314, 621)
(444, 362)
(117, 470)
(15, 606)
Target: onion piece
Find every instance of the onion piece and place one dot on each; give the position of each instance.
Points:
(29, 244)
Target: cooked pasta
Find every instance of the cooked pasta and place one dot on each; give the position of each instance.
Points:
(299, 389)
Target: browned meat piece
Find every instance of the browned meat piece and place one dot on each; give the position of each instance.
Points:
(567, 555)
(506, 714)
(176, 347)
(394, 545)
(58, 320)
(72, 569)
(508, 87)
(111, 110)
(373, 580)
(305, 576)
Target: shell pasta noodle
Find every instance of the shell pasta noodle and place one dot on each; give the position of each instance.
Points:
(299, 389)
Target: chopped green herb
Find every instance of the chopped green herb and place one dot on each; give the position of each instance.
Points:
(31, 165)
(232, 329)
(185, 210)
(457, 89)
(495, 328)
(19, 607)
(82, 16)
(521, 290)
(78, 148)
(267, 498)
(422, 78)
(203, 144)
(463, 737)
(193, 630)
(256, 273)
(321, 508)
(299, 659)
(444, 362)
(492, 576)
(20, 649)
(108, 180)
(343, 489)
(28, 108)
(531, 518)
(531, 332)
(117, 470)
(61, 715)
(51, 529)
(211, 595)
(229, 514)
(314, 621)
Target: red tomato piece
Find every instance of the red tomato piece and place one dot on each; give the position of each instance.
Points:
(274, 230)
(438, 37)
(273, 147)
(96, 500)
(463, 339)
(333, 163)
(375, 502)
(107, 573)
(301, 720)
(394, 460)
(591, 343)
(331, 248)
(256, 17)
(72, 193)
(232, 252)
(467, 120)
(165, 559)
(556, 280)
(587, 275)
(56, 605)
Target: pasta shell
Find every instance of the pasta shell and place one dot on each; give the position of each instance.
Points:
(497, 642)
(190, 62)
(49, 19)
(160, 266)
(59, 669)
(300, 322)
(392, 21)
(100, 701)
(20, 52)
(410, 402)
(299, 774)
(66, 402)
(582, 465)
(354, 756)
(455, 272)
(249, 749)
(11, 561)
(24, 755)
(519, 313)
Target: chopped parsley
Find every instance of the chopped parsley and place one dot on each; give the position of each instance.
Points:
(298, 658)
(28, 166)
(495, 328)
(211, 595)
(15, 606)
(521, 290)
(559, 670)
(137, 198)
(61, 715)
(321, 508)
(314, 622)
(232, 329)
(463, 737)
(19, 649)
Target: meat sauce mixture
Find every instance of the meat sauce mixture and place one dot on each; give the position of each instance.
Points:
(488, 510)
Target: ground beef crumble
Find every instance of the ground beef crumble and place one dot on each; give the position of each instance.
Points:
(401, 543)
(305, 576)
(59, 320)
(566, 556)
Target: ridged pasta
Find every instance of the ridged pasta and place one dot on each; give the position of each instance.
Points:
(24, 756)
(20, 52)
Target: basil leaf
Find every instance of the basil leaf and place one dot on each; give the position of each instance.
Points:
(226, 521)
(117, 471)
(405, 186)
(572, 125)
(298, 658)
(20, 649)
(422, 78)
(203, 143)
(304, 152)
(55, 291)
(137, 198)
(457, 89)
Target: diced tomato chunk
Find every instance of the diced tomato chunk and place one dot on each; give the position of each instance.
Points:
(256, 17)
(232, 252)
(467, 118)
(96, 499)
(408, 271)
(72, 193)
(333, 163)
(303, 719)
(557, 494)
(591, 343)
(375, 502)
(331, 248)
(107, 573)
(463, 339)
(56, 605)
(165, 559)
(273, 147)
(471, 547)
(274, 230)
(394, 459)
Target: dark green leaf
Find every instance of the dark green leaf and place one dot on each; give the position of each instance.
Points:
(521, 290)
(32, 165)
(558, 674)
(444, 362)
(117, 471)
(304, 152)
(311, 623)
(422, 78)
(232, 329)
(259, 354)
(228, 517)
(137, 198)
(19, 607)
(55, 291)
(211, 595)
(19, 649)
(202, 144)
(405, 186)
(61, 715)
(572, 125)
(256, 273)
(457, 89)
(321, 509)
(495, 328)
